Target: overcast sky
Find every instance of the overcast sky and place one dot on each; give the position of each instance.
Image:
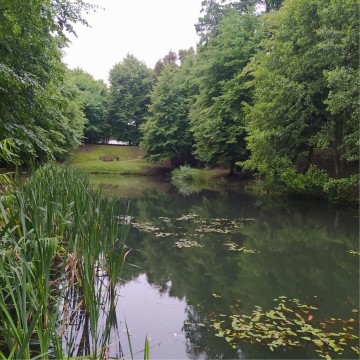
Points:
(148, 29)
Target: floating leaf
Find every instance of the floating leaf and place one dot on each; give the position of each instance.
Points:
(217, 296)
(284, 326)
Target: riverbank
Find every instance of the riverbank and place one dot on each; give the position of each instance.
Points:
(129, 160)
(117, 160)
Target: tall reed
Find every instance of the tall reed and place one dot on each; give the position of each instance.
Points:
(60, 254)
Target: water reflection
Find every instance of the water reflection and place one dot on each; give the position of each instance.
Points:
(299, 249)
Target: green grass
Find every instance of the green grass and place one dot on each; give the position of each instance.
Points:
(95, 152)
(131, 160)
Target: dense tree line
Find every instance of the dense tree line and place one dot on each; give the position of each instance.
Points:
(272, 85)
(269, 92)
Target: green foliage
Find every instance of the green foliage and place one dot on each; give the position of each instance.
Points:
(34, 99)
(130, 84)
(187, 173)
(166, 132)
(7, 156)
(146, 349)
(93, 96)
(6, 150)
(301, 78)
(213, 11)
(217, 116)
(190, 180)
(290, 324)
(342, 103)
(54, 230)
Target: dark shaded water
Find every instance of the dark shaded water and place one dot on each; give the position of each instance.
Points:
(197, 257)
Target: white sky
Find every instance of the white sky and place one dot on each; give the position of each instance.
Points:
(148, 29)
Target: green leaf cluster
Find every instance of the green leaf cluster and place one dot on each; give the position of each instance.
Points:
(130, 84)
(275, 93)
(217, 116)
(38, 107)
(306, 86)
(166, 132)
(94, 99)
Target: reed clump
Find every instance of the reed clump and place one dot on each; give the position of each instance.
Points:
(190, 180)
(61, 250)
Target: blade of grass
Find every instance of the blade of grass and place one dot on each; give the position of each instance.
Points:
(128, 336)
(146, 349)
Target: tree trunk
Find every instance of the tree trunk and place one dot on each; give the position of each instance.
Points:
(232, 169)
(308, 161)
(336, 162)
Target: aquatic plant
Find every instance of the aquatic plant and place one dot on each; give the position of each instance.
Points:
(290, 324)
(190, 180)
(59, 239)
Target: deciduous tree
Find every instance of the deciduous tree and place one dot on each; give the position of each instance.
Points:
(213, 10)
(166, 132)
(305, 89)
(217, 116)
(94, 99)
(130, 84)
(34, 97)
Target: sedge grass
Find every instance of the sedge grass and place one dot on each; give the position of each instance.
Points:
(56, 236)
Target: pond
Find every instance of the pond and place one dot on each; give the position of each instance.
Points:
(203, 261)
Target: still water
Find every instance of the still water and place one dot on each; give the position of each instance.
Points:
(198, 256)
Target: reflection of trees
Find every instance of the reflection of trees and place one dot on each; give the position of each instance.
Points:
(303, 253)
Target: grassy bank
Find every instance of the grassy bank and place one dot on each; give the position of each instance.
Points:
(116, 160)
(61, 253)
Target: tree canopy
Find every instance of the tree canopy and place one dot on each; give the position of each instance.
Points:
(38, 107)
(305, 90)
(217, 116)
(94, 99)
(166, 132)
(130, 84)
(213, 10)
(273, 91)
(273, 86)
